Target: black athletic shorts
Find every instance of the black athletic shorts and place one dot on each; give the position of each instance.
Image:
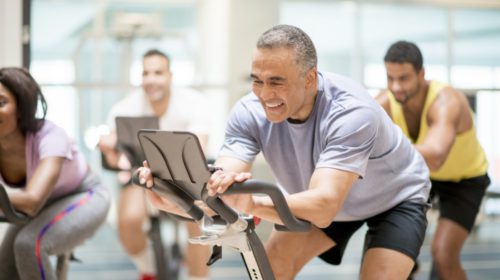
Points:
(460, 201)
(401, 228)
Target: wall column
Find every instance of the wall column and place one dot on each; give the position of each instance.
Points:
(11, 33)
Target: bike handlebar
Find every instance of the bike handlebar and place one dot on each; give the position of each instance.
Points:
(9, 213)
(175, 194)
(253, 186)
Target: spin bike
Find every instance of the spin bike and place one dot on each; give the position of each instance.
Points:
(180, 174)
(167, 258)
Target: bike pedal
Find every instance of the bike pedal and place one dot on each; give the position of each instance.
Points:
(216, 254)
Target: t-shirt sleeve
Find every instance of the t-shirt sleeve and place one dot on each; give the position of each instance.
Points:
(350, 140)
(240, 139)
(54, 142)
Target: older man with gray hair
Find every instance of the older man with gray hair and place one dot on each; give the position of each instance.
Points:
(337, 155)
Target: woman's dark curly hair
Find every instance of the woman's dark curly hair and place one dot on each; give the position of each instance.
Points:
(27, 93)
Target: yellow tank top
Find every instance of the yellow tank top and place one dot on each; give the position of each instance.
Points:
(466, 158)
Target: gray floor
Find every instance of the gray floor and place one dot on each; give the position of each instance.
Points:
(104, 259)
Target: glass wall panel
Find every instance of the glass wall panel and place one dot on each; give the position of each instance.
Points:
(384, 24)
(87, 54)
(331, 26)
(487, 118)
(476, 49)
(353, 35)
(476, 61)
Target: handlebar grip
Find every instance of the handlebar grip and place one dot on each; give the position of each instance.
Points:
(291, 223)
(11, 215)
(227, 213)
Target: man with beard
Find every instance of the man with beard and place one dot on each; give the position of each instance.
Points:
(440, 123)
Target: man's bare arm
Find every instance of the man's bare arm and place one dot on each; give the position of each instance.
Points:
(319, 204)
(443, 118)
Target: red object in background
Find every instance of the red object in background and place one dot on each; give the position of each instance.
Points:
(256, 220)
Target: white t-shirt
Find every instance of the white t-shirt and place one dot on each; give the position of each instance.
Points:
(186, 110)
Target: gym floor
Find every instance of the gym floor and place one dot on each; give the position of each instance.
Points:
(103, 258)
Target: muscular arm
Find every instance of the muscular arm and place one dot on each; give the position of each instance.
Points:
(233, 164)
(443, 119)
(39, 188)
(319, 204)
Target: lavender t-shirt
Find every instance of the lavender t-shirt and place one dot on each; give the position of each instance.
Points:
(52, 141)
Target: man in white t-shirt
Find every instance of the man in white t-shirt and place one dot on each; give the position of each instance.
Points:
(177, 109)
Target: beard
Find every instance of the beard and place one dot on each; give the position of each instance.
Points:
(410, 94)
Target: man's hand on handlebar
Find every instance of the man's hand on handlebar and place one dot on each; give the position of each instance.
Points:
(221, 180)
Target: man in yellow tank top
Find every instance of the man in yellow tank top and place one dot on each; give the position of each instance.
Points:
(439, 122)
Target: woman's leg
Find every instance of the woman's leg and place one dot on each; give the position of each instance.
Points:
(8, 270)
(59, 228)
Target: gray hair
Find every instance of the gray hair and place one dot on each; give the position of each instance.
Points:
(288, 36)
